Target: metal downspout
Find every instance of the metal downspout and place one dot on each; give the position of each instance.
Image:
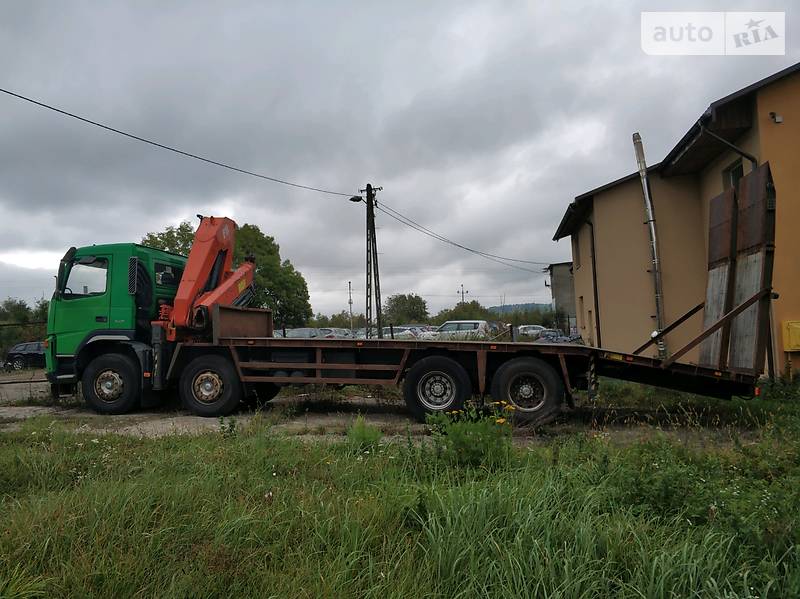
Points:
(651, 228)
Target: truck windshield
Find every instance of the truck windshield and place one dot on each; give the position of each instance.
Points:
(86, 277)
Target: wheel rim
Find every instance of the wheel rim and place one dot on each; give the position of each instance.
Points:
(436, 390)
(207, 387)
(18, 364)
(526, 393)
(108, 386)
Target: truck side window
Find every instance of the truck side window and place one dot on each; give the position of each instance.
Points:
(87, 278)
(168, 275)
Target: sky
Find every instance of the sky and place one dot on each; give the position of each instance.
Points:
(481, 121)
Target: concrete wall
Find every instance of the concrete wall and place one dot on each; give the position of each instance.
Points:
(563, 288)
(624, 281)
(780, 145)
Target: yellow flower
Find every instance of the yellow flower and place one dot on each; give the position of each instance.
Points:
(500, 421)
(510, 408)
(502, 401)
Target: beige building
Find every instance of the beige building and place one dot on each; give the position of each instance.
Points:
(614, 289)
(562, 288)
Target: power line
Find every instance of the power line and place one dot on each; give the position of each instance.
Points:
(450, 242)
(443, 238)
(170, 148)
(386, 209)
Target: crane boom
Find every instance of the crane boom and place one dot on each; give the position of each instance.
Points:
(208, 278)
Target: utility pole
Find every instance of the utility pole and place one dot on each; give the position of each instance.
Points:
(462, 292)
(373, 275)
(350, 301)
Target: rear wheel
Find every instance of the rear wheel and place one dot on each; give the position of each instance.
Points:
(110, 384)
(209, 386)
(532, 387)
(436, 384)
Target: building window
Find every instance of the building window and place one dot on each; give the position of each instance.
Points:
(576, 250)
(732, 174)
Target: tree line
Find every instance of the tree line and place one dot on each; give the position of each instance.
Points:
(20, 322)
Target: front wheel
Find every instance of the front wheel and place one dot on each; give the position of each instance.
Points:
(18, 363)
(434, 385)
(532, 387)
(209, 386)
(110, 384)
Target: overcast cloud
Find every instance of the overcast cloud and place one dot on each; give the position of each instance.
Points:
(481, 121)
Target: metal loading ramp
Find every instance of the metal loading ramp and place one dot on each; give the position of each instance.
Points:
(736, 336)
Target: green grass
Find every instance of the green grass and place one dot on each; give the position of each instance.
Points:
(243, 512)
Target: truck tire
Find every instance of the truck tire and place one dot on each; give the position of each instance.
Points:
(436, 384)
(532, 387)
(111, 384)
(209, 386)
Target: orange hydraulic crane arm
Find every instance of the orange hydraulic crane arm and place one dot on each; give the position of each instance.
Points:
(208, 278)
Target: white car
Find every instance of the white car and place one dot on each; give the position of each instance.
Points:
(460, 330)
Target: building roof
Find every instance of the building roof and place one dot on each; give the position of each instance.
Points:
(727, 117)
(580, 208)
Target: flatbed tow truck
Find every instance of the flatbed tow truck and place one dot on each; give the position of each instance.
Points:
(130, 323)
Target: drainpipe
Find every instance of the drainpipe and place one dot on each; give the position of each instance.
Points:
(594, 286)
(651, 228)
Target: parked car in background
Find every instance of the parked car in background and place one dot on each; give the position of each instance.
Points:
(460, 330)
(302, 333)
(531, 331)
(402, 331)
(545, 334)
(25, 355)
(334, 333)
(557, 336)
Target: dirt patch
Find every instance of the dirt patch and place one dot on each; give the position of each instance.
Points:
(325, 416)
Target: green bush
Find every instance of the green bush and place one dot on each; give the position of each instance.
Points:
(363, 436)
(472, 438)
(781, 389)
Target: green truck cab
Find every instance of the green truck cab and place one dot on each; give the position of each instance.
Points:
(105, 298)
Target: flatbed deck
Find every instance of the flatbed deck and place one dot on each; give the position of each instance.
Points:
(385, 362)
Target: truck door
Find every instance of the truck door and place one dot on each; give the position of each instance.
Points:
(83, 302)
